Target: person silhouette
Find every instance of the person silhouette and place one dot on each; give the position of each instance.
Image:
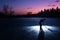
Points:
(40, 23)
(41, 32)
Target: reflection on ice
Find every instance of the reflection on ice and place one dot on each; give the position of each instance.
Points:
(45, 28)
(34, 28)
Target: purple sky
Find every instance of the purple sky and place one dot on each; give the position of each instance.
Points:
(23, 6)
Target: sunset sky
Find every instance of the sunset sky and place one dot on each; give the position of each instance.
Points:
(34, 6)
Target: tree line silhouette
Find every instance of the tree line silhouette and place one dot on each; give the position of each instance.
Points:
(8, 12)
(47, 13)
(50, 12)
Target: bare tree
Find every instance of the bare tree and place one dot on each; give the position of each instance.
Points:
(5, 9)
(11, 11)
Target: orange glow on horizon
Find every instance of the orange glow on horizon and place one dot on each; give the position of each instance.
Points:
(34, 11)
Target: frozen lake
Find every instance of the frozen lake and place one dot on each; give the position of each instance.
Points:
(28, 28)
